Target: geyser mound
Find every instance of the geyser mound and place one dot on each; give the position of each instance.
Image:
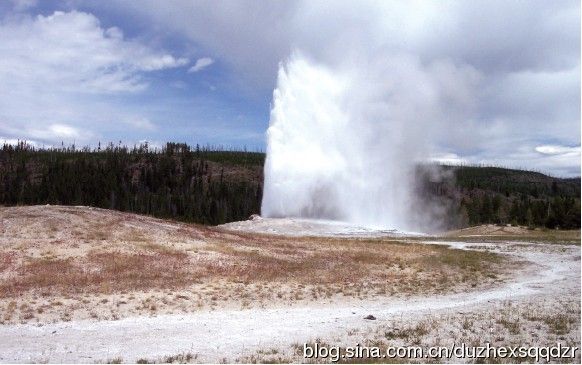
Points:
(343, 142)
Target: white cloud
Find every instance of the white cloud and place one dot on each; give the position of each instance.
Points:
(201, 64)
(142, 123)
(57, 70)
(492, 35)
(72, 52)
(57, 132)
(54, 133)
(63, 131)
(448, 159)
(154, 63)
(557, 150)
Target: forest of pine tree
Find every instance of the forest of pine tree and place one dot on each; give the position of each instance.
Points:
(212, 186)
(200, 185)
(493, 195)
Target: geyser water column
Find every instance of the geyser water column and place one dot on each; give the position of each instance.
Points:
(308, 164)
(343, 140)
(328, 154)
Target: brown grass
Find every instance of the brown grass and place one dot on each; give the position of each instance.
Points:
(7, 260)
(387, 265)
(100, 272)
(350, 267)
(111, 252)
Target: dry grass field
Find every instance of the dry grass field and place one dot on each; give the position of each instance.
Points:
(62, 263)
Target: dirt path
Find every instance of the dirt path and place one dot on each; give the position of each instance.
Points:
(215, 335)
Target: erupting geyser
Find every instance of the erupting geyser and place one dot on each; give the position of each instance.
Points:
(323, 159)
(343, 141)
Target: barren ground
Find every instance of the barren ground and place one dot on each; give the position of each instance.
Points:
(92, 285)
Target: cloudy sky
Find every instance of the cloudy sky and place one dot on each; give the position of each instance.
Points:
(204, 71)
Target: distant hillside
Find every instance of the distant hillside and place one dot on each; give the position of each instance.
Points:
(507, 181)
(478, 195)
(205, 185)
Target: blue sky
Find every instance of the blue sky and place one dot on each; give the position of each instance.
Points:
(167, 103)
(83, 72)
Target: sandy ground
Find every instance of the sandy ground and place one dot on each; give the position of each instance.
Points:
(538, 304)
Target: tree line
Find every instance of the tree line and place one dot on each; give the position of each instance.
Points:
(200, 184)
(209, 185)
(482, 195)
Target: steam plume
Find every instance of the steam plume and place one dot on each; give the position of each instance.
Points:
(344, 139)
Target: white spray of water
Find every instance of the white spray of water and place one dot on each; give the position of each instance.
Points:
(343, 141)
